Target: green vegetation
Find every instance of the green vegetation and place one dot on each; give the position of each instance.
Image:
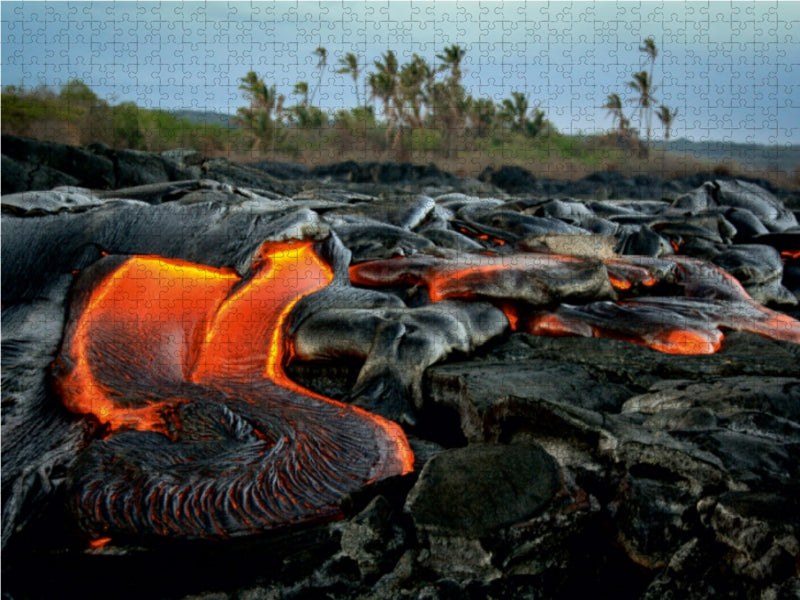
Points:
(75, 115)
(410, 112)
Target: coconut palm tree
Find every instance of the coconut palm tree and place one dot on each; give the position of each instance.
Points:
(303, 115)
(666, 116)
(322, 63)
(643, 85)
(649, 48)
(614, 107)
(449, 98)
(535, 126)
(350, 66)
(301, 89)
(482, 114)
(413, 92)
(414, 80)
(258, 118)
(384, 87)
(452, 57)
(449, 105)
(515, 110)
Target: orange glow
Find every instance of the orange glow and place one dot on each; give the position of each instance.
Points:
(619, 284)
(244, 341)
(511, 311)
(99, 543)
(471, 276)
(556, 325)
(176, 321)
(786, 254)
(776, 325)
(683, 341)
(161, 300)
(482, 236)
(623, 275)
(461, 283)
(670, 341)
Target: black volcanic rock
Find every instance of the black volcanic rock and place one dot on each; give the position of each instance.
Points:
(381, 173)
(283, 170)
(131, 167)
(511, 179)
(21, 176)
(79, 164)
(475, 390)
(517, 481)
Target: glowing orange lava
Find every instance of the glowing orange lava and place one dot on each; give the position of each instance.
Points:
(482, 236)
(98, 543)
(179, 321)
(685, 341)
(556, 325)
(623, 275)
(167, 302)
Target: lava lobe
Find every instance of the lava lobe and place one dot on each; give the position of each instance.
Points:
(205, 435)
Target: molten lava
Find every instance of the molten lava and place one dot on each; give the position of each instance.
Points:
(206, 436)
(707, 299)
(790, 254)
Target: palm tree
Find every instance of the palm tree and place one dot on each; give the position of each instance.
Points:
(414, 80)
(413, 92)
(384, 88)
(515, 110)
(322, 62)
(258, 117)
(350, 66)
(449, 105)
(643, 85)
(614, 107)
(666, 116)
(303, 115)
(452, 57)
(301, 89)
(449, 98)
(482, 114)
(649, 48)
(534, 127)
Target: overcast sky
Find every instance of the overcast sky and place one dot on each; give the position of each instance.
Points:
(732, 70)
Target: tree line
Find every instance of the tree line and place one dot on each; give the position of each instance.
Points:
(422, 107)
(412, 97)
(418, 97)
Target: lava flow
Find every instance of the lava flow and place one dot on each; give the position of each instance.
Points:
(525, 286)
(206, 436)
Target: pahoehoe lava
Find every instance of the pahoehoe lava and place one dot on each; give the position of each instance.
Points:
(673, 304)
(205, 435)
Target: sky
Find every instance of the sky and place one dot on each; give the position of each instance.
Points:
(731, 69)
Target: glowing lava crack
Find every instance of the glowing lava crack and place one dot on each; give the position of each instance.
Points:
(205, 434)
